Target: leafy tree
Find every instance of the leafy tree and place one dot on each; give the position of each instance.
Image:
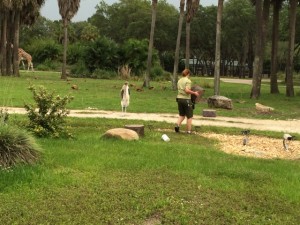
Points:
(101, 54)
(238, 18)
(134, 54)
(89, 33)
(43, 28)
(122, 21)
(203, 37)
(45, 49)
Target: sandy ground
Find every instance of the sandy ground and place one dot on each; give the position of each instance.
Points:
(284, 126)
(261, 147)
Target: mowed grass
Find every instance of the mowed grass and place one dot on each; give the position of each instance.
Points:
(105, 95)
(91, 180)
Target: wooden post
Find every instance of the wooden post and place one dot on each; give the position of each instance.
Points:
(209, 113)
(137, 128)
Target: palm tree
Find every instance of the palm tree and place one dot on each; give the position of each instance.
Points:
(291, 49)
(67, 10)
(15, 14)
(150, 48)
(176, 57)
(274, 54)
(5, 6)
(218, 49)
(262, 15)
(191, 8)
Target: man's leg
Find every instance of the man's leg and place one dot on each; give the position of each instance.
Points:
(179, 121)
(189, 125)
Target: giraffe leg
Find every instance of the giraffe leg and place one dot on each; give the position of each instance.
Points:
(23, 64)
(30, 66)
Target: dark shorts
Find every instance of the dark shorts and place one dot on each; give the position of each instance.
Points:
(185, 107)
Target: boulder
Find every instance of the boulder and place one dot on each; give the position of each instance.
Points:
(121, 133)
(217, 101)
(263, 108)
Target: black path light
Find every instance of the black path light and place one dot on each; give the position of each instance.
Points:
(286, 141)
(246, 136)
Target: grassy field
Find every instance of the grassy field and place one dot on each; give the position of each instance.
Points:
(91, 180)
(105, 95)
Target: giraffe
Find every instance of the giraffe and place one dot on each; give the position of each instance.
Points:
(24, 55)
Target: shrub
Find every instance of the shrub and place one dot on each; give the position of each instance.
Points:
(156, 71)
(79, 70)
(49, 118)
(49, 65)
(104, 74)
(101, 54)
(45, 49)
(3, 116)
(75, 53)
(17, 147)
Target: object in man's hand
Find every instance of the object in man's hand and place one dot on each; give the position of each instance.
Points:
(200, 90)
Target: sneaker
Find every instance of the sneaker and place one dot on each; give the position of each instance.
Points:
(176, 129)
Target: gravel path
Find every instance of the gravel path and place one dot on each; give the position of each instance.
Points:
(285, 126)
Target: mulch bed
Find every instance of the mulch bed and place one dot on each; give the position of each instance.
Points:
(257, 146)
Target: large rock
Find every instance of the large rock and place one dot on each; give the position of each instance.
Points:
(217, 101)
(263, 108)
(121, 133)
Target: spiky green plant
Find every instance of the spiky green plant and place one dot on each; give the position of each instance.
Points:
(17, 147)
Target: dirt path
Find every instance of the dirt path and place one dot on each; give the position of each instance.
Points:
(258, 146)
(285, 126)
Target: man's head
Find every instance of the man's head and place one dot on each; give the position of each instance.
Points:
(185, 72)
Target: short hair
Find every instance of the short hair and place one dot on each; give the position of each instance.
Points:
(185, 72)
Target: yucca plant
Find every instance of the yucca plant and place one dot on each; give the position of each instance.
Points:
(17, 147)
(3, 116)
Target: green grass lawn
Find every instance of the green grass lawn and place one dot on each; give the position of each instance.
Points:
(105, 95)
(91, 180)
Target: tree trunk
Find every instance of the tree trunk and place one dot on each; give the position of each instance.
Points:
(187, 45)
(150, 48)
(256, 77)
(274, 55)
(10, 32)
(16, 44)
(3, 44)
(218, 49)
(64, 66)
(176, 58)
(290, 55)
